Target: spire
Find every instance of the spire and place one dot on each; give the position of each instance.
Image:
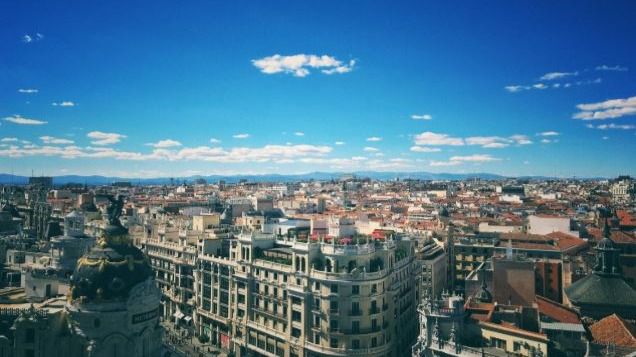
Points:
(606, 230)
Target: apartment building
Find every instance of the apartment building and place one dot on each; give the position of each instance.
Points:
(270, 296)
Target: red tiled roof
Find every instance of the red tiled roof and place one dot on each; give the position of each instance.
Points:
(626, 218)
(556, 311)
(566, 242)
(613, 329)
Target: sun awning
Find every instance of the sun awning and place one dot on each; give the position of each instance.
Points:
(187, 319)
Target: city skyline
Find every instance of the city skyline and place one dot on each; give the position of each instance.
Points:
(203, 89)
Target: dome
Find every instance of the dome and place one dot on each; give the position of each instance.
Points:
(109, 271)
(112, 268)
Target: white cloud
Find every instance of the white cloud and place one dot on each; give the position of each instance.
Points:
(557, 75)
(299, 133)
(474, 158)
(241, 136)
(167, 143)
(605, 137)
(101, 138)
(65, 103)
(416, 148)
(548, 133)
(215, 140)
(429, 138)
(28, 90)
(339, 143)
(16, 119)
(612, 126)
(609, 109)
(458, 160)
(27, 38)
(374, 139)
(421, 117)
(550, 77)
(8, 140)
(371, 149)
(521, 139)
(488, 142)
(516, 88)
(445, 163)
(57, 141)
(616, 68)
(299, 64)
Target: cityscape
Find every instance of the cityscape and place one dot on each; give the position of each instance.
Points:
(317, 179)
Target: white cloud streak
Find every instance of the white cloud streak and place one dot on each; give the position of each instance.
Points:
(167, 143)
(609, 109)
(66, 103)
(53, 140)
(101, 138)
(557, 75)
(421, 117)
(17, 119)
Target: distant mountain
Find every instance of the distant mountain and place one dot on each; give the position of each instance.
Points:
(321, 176)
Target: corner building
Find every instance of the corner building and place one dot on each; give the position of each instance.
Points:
(264, 296)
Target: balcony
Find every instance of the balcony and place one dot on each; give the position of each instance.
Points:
(374, 310)
(355, 312)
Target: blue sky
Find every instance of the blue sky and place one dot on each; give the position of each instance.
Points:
(177, 89)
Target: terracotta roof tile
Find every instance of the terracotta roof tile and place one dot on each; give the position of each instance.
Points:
(613, 329)
(556, 311)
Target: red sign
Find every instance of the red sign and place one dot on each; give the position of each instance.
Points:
(225, 341)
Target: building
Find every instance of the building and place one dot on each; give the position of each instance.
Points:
(546, 224)
(450, 326)
(432, 262)
(623, 189)
(173, 263)
(112, 308)
(604, 291)
(42, 181)
(288, 297)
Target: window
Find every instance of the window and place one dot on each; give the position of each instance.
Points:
(333, 343)
(355, 344)
(334, 288)
(296, 316)
(333, 325)
(316, 285)
(355, 308)
(295, 332)
(333, 306)
(374, 342)
(498, 343)
(355, 327)
(317, 338)
(516, 346)
(316, 321)
(374, 288)
(355, 290)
